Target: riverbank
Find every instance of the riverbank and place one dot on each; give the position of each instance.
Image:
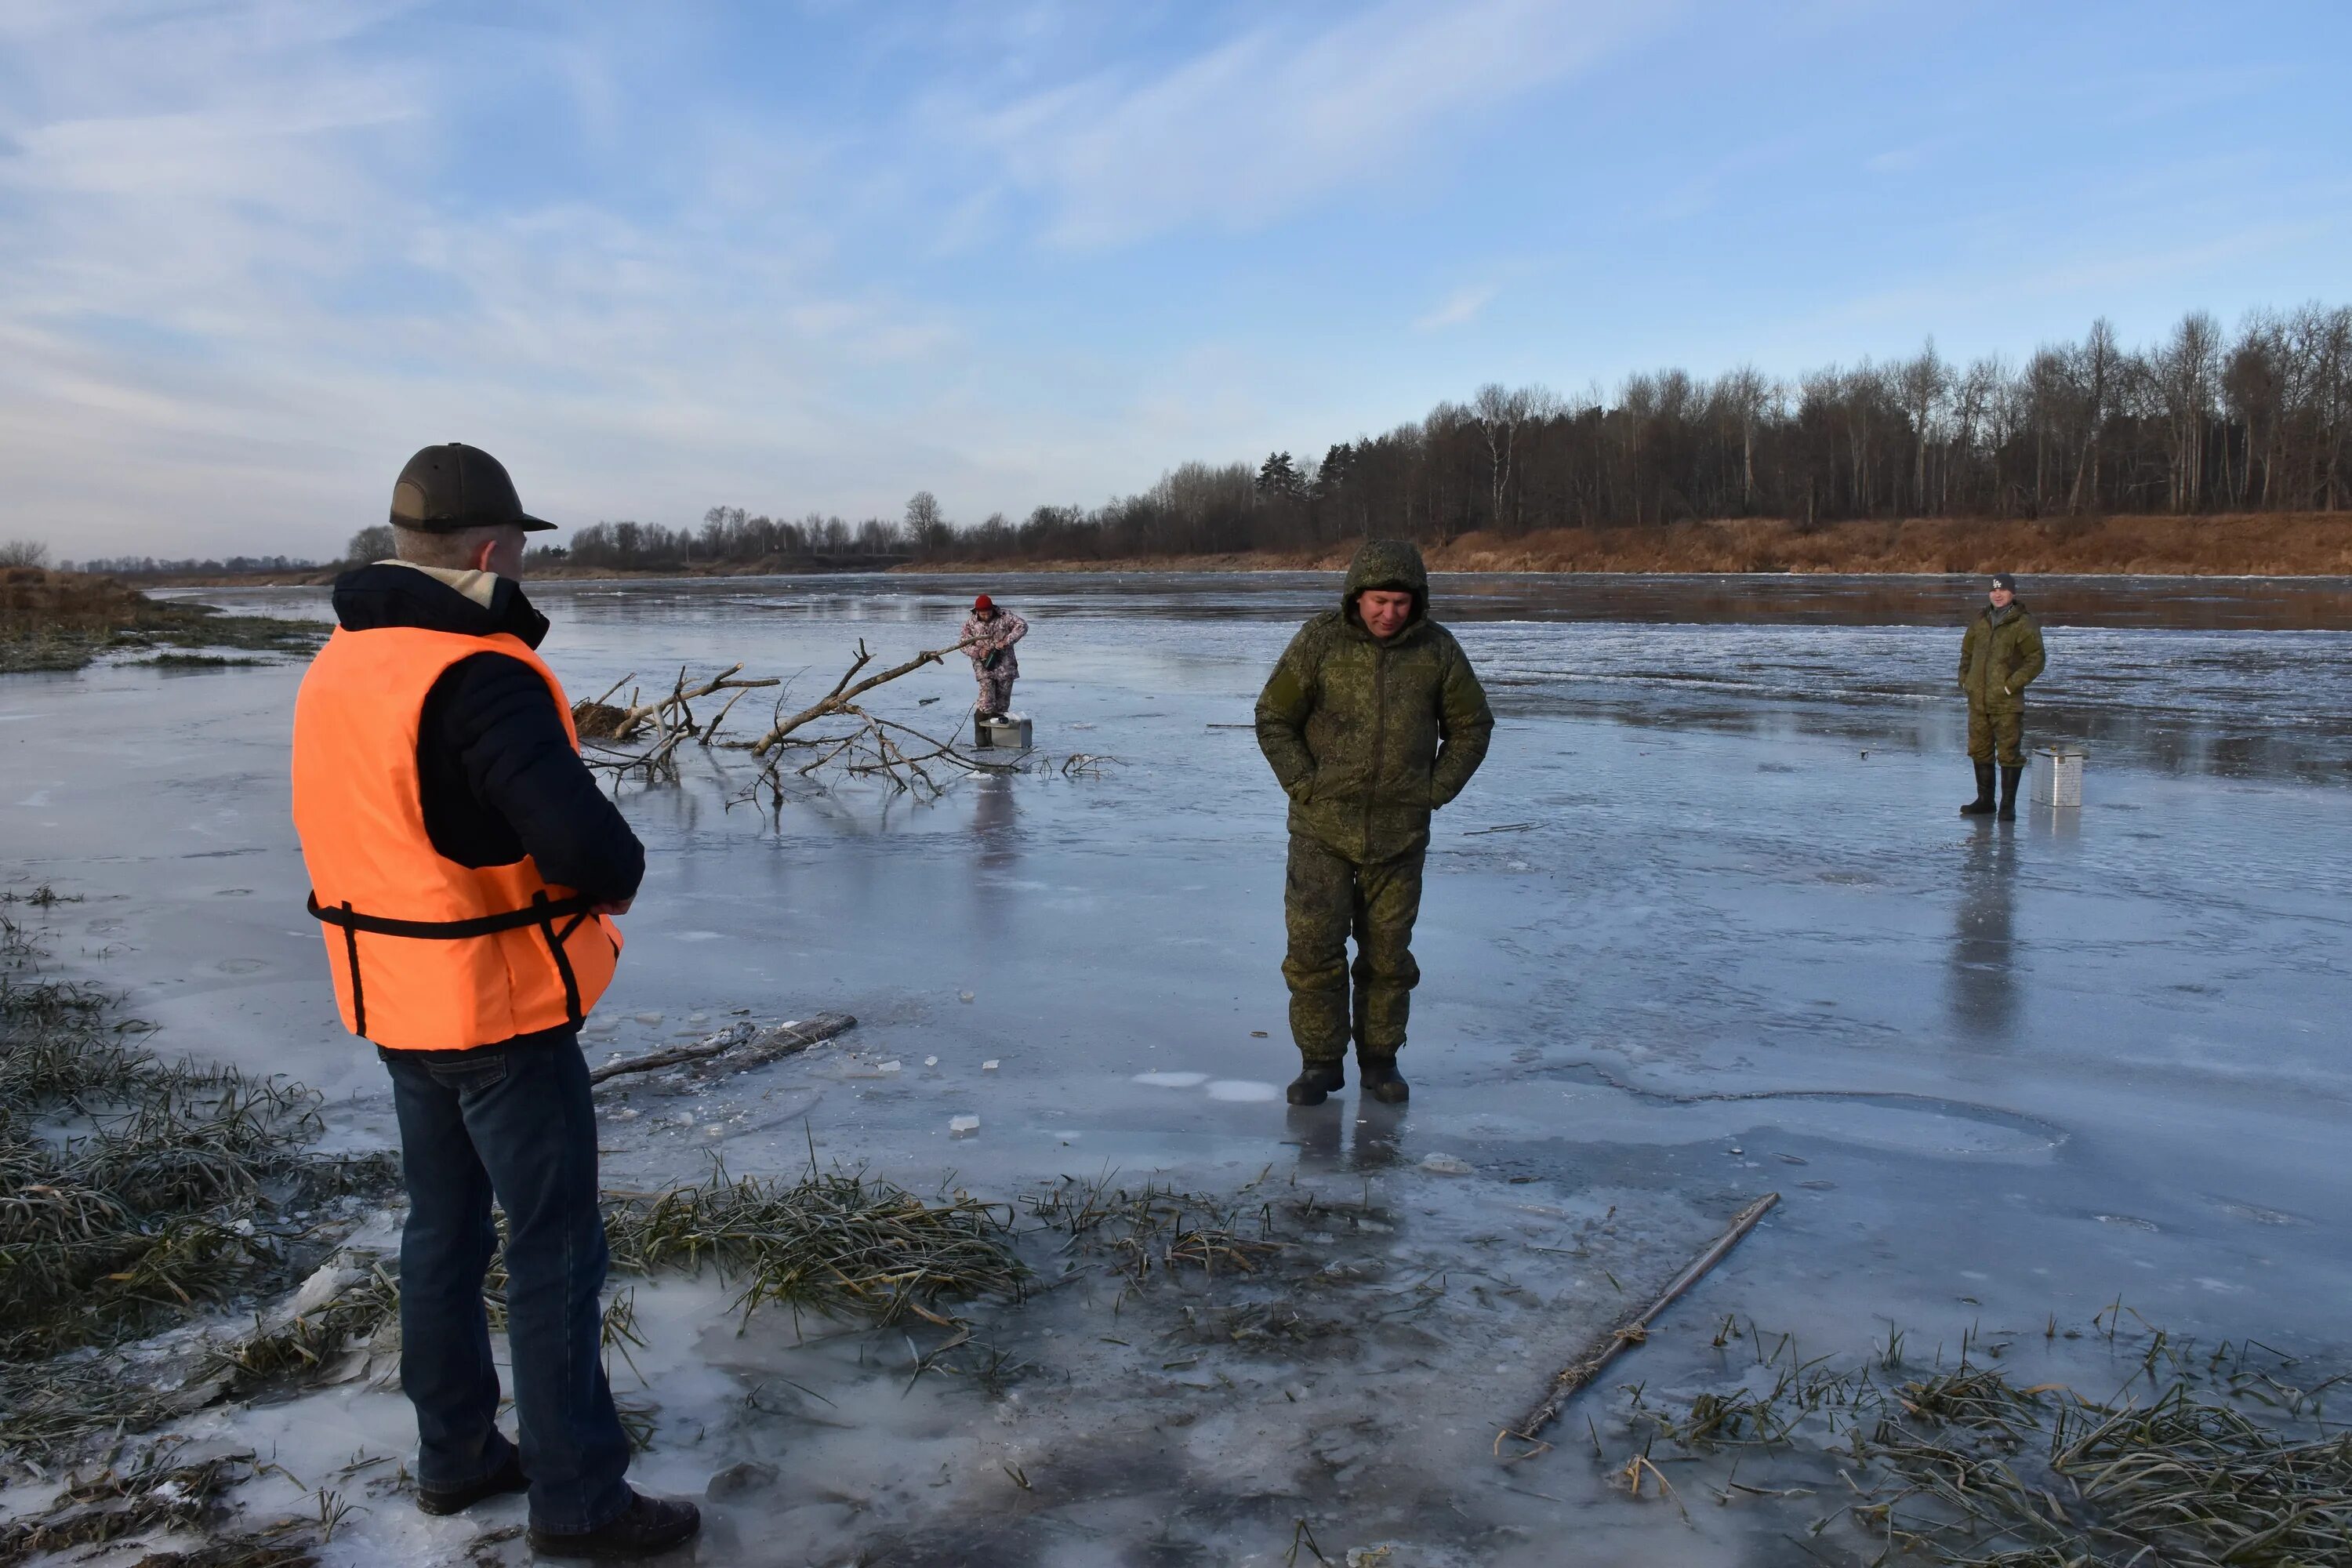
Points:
(2255, 544)
(2305, 544)
(62, 620)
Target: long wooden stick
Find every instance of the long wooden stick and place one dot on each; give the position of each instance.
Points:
(1633, 1331)
(780, 1041)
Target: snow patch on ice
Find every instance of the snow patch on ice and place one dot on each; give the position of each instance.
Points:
(1243, 1091)
(1172, 1080)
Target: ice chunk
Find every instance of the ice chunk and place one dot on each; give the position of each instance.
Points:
(988, 1065)
(886, 1067)
(1243, 1091)
(963, 995)
(930, 1062)
(1172, 1080)
(962, 1126)
(331, 1280)
(1446, 1165)
(649, 1019)
(697, 1017)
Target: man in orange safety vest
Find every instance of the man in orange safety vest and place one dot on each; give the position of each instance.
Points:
(466, 870)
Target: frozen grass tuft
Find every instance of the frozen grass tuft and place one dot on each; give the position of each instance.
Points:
(839, 1244)
(2220, 1460)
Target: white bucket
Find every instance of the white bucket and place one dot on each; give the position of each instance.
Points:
(2058, 775)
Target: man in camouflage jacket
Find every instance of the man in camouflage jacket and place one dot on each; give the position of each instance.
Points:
(1999, 656)
(989, 634)
(1372, 719)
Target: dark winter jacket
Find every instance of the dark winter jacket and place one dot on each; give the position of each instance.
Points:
(1369, 737)
(1999, 656)
(501, 780)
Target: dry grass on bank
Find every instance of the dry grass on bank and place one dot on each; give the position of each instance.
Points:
(61, 620)
(2262, 544)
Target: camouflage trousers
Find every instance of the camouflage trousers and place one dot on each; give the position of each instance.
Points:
(995, 694)
(2006, 725)
(1327, 899)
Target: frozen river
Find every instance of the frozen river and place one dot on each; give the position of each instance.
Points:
(1705, 925)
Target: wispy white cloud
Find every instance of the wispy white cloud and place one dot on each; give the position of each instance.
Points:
(1461, 306)
(233, 298)
(1257, 125)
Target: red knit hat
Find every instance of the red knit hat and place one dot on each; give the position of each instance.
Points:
(983, 603)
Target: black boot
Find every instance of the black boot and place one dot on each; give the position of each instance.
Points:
(1982, 804)
(508, 1478)
(1383, 1082)
(647, 1528)
(2009, 777)
(1315, 1082)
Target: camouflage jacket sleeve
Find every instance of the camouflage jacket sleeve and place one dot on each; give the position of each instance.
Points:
(1464, 725)
(1282, 709)
(2029, 657)
(1968, 648)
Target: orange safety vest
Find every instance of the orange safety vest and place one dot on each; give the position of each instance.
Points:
(428, 954)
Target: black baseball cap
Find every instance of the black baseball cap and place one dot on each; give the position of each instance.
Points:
(452, 487)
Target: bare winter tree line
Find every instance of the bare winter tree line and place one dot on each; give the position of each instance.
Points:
(2203, 422)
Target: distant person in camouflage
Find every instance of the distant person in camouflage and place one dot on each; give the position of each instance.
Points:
(1372, 719)
(1999, 656)
(989, 634)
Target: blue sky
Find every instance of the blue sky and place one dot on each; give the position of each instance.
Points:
(818, 255)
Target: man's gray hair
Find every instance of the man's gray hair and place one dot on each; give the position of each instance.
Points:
(455, 550)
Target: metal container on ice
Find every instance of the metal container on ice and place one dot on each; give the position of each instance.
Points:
(2058, 775)
(1008, 733)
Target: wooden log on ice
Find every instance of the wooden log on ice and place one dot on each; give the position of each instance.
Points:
(1633, 1331)
(755, 1044)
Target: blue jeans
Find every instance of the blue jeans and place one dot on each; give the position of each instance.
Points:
(514, 1122)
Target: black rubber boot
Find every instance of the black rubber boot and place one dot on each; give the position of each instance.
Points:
(2009, 777)
(509, 1479)
(647, 1528)
(1982, 804)
(1316, 1081)
(1383, 1082)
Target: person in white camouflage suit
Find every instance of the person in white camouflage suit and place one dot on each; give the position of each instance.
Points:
(989, 636)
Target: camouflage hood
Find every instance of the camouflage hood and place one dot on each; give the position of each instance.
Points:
(1389, 564)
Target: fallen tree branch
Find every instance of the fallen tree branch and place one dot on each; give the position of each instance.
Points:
(842, 695)
(759, 1045)
(598, 721)
(1633, 1331)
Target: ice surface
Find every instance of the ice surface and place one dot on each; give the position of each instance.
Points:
(1706, 925)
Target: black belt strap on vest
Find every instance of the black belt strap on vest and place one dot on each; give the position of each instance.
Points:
(543, 912)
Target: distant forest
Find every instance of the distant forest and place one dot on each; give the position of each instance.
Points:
(2203, 422)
